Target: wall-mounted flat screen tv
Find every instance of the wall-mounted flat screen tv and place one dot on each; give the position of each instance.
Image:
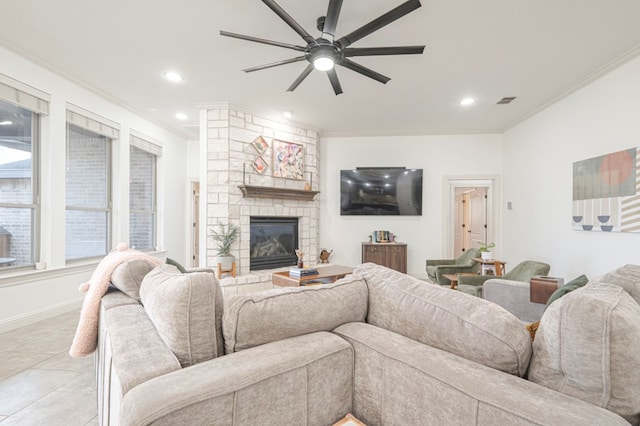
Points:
(395, 191)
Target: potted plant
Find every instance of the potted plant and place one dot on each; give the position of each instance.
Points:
(224, 235)
(485, 251)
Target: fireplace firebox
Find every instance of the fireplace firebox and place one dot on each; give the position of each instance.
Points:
(273, 241)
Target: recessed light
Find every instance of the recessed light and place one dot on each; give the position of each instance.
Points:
(173, 76)
(287, 114)
(467, 101)
(6, 123)
(181, 116)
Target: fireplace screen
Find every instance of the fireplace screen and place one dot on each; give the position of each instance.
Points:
(273, 242)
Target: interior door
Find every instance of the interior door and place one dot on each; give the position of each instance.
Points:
(478, 216)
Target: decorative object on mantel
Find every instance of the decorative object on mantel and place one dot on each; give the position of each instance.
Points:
(259, 165)
(605, 189)
(260, 145)
(224, 235)
(288, 160)
(324, 255)
(309, 184)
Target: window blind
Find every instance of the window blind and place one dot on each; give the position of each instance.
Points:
(23, 95)
(93, 122)
(145, 143)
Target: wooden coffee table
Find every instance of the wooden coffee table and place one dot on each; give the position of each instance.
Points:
(454, 278)
(328, 274)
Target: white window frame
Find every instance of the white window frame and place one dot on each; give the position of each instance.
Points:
(145, 143)
(36, 101)
(102, 126)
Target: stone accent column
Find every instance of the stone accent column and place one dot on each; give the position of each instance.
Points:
(230, 131)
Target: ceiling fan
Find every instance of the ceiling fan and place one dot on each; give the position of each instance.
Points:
(324, 52)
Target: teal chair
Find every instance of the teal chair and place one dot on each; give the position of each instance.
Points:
(524, 271)
(436, 268)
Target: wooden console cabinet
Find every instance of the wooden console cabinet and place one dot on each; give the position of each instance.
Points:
(391, 255)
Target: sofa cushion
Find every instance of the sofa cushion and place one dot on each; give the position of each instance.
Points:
(402, 382)
(186, 309)
(587, 346)
(128, 276)
(259, 318)
(627, 277)
(467, 326)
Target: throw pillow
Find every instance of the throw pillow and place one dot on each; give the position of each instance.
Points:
(177, 264)
(186, 309)
(259, 318)
(586, 347)
(532, 329)
(574, 284)
(127, 277)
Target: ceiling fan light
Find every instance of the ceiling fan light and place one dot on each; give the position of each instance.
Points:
(323, 63)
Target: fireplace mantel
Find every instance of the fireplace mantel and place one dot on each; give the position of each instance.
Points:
(279, 193)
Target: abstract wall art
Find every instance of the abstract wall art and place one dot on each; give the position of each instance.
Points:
(606, 193)
(288, 160)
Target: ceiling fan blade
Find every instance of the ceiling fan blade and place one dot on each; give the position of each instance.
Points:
(289, 20)
(275, 64)
(335, 83)
(261, 40)
(364, 71)
(376, 24)
(301, 77)
(372, 51)
(331, 20)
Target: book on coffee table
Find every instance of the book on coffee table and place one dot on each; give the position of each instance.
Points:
(302, 272)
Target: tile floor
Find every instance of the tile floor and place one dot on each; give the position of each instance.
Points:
(40, 384)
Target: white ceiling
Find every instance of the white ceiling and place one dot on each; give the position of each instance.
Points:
(536, 50)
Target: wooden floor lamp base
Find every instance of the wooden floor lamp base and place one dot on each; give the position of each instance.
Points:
(224, 271)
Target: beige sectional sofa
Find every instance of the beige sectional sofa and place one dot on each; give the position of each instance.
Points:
(381, 345)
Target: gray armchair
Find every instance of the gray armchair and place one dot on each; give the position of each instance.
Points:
(523, 272)
(436, 268)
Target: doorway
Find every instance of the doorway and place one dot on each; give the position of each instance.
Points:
(470, 207)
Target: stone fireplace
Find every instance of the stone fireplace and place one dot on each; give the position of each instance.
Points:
(227, 156)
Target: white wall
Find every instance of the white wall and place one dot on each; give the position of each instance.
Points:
(539, 154)
(32, 295)
(438, 156)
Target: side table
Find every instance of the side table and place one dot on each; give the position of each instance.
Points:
(489, 266)
(541, 288)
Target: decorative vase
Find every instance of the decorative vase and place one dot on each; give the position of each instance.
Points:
(225, 261)
(487, 255)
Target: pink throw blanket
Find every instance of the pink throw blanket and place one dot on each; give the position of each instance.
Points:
(86, 338)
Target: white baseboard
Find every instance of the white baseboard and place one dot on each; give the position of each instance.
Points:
(38, 315)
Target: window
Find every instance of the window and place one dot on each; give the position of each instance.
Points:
(18, 185)
(88, 184)
(142, 198)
